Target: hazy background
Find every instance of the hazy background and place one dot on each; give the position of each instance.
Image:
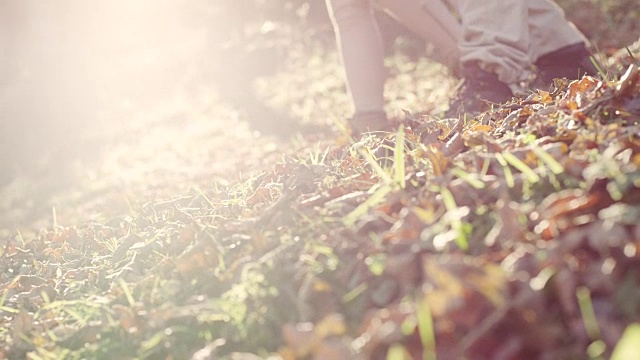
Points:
(73, 71)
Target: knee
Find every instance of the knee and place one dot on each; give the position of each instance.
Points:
(344, 13)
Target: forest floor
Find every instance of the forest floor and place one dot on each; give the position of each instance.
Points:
(191, 235)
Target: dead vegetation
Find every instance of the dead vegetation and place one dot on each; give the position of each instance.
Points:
(506, 236)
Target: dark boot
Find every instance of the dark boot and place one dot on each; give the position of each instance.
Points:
(478, 91)
(571, 62)
(372, 121)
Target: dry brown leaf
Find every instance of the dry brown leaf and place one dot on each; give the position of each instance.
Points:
(508, 228)
(454, 146)
(261, 195)
(568, 208)
(382, 328)
(22, 323)
(335, 348)
(126, 317)
(300, 338)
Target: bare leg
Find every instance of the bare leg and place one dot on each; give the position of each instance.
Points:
(361, 52)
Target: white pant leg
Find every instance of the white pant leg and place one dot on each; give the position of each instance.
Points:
(432, 22)
(496, 35)
(361, 52)
(506, 36)
(549, 30)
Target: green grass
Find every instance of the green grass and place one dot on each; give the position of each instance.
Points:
(310, 247)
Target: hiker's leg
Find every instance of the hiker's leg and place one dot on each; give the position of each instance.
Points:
(361, 52)
(493, 53)
(558, 48)
(549, 30)
(496, 36)
(431, 21)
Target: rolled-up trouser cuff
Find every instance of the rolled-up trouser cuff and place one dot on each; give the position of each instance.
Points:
(506, 36)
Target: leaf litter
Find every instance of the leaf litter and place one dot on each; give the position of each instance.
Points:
(510, 235)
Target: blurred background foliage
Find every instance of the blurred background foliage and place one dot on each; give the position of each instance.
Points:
(72, 68)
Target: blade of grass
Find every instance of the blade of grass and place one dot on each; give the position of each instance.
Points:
(127, 292)
(55, 217)
(219, 247)
(21, 238)
(456, 223)
(45, 297)
(588, 314)
(425, 329)
(438, 161)
(205, 197)
(376, 263)
(629, 344)
(374, 199)
(485, 167)
(82, 320)
(426, 215)
(4, 296)
(397, 352)
(508, 175)
(635, 61)
(531, 176)
(596, 349)
(354, 293)
(366, 154)
(399, 159)
(9, 310)
(325, 154)
(598, 67)
(57, 304)
(318, 157)
(460, 173)
(548, 160)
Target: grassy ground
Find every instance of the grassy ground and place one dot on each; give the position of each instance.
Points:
(512, 235)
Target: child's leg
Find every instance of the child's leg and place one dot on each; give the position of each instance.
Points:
(361, 51)
(557, 47)
(549, 30)
(496, 37)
